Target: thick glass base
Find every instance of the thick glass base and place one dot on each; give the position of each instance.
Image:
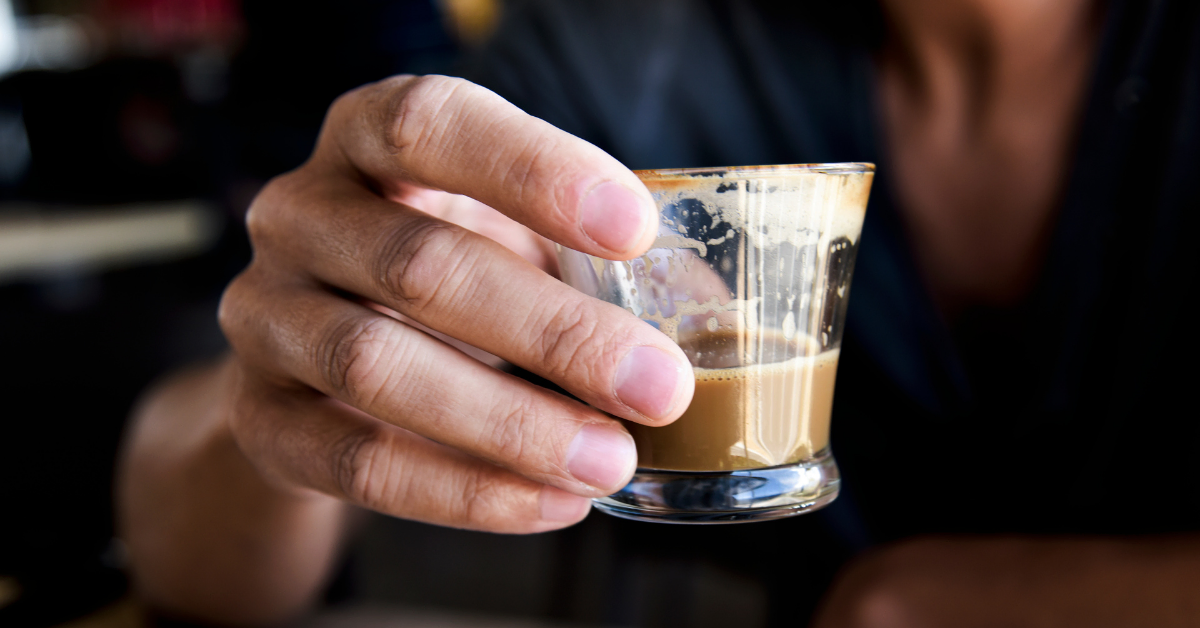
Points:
(709, 497)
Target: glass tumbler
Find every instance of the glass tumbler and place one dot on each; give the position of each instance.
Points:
(749, 275)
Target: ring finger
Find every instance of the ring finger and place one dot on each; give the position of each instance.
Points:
(409, 379)
(320, 444)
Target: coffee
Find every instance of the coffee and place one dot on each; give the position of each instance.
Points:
(761, 400)
(749, 274)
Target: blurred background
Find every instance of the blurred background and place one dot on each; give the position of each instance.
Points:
(133, 134)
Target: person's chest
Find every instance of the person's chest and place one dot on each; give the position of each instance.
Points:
(1100, 346)
(979, 138)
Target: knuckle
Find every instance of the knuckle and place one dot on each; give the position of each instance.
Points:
(242, 410)
(568, 340)
(419, 262)
(486, 502)
(263, 210)
(232, 310)
(252, 415)
(513, 432)
(345, 104)
(532, 174)
(349, 355)
(521, 173)
(421, 109)
(362, 467)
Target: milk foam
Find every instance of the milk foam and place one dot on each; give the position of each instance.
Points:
(825, 359)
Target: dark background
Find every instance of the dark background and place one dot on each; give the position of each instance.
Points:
(203, 101)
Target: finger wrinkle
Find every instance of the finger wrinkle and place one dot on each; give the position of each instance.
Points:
(393, 478)
(356, 450)
(399, 460)
(425, 106)
(566, 337)
(410, 458)
(542, 171)
(487, 503)
(524, 172)
(496, 131)
(410, 266)
(350, 353)
(452, 295)
(512, 422)
(402, 375)
(410, 374)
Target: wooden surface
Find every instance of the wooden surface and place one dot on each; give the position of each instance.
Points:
(38, 241)
(124, 613)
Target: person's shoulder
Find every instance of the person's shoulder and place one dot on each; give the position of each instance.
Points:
(682, 81)
(613, 23)
(574, 62)
(592, 39)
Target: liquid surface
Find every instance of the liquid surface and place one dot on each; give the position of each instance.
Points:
(744, 415)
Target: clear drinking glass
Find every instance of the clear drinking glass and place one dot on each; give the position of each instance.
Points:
(750, 276)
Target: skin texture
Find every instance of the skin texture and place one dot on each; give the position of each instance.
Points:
(339, 392)
(384, 284)
(199, 517)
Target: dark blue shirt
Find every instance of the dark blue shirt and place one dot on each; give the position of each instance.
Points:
(1073, 411)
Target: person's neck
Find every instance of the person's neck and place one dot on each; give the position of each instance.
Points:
(960, 53)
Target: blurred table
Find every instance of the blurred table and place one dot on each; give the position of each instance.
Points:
(128, 613)
(95, 302)
(407, 617)
(38, 241)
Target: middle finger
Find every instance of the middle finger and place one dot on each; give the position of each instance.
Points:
(471, 288)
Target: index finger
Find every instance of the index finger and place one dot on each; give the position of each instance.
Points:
(450, 134)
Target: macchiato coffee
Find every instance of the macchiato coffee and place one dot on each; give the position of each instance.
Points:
(745, 416)
(749, 274)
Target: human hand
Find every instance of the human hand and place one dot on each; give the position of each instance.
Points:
(978, 582)
(337, 396)
(926, 583)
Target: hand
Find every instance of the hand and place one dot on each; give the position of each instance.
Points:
(337, 396)
(929, 583)
(983, 582)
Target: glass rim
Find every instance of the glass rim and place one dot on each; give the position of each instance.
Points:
(849, 167)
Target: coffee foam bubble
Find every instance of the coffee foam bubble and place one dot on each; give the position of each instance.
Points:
(825, 359)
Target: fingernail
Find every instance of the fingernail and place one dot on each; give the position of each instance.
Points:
(603, 457)
(558, 505)
(648, 381)
(613, 216)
